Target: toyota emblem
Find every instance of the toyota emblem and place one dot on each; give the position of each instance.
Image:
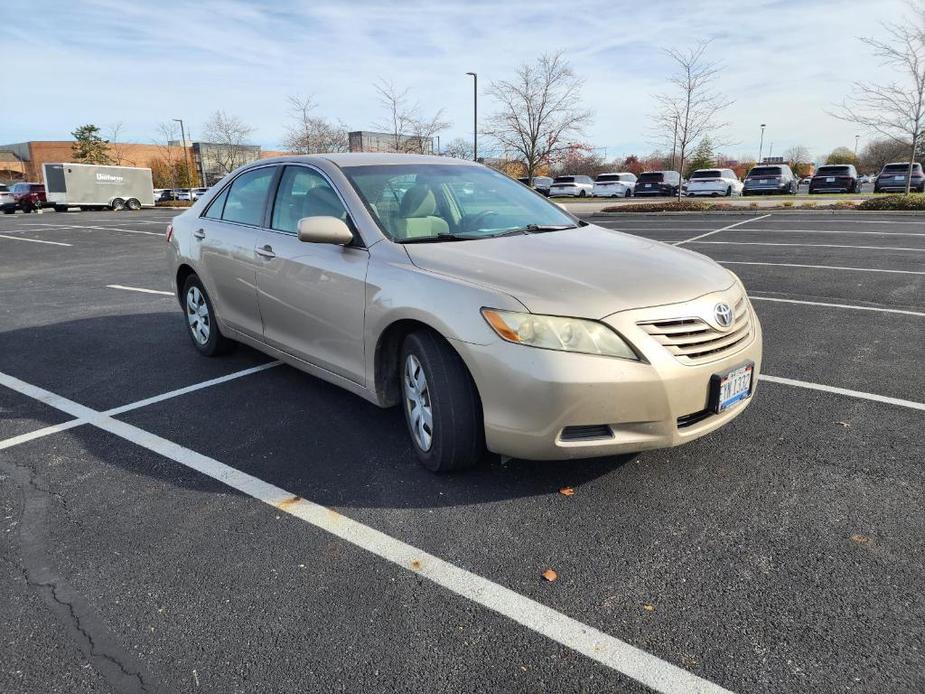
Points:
(723, 315)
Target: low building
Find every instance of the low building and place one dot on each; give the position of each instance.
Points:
(367, 141)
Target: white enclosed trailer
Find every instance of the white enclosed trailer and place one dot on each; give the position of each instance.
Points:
(94, 186)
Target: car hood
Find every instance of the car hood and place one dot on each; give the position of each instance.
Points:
(588, 272)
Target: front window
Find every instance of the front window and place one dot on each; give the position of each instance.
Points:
(438, 201)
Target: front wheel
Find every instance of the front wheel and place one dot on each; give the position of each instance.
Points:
(200, 320)
(582, 194)
(441, 404)
(117, 204)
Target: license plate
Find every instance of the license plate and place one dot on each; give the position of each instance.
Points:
(648, 185)
(730, 388)
(899, 178)
(830, 179)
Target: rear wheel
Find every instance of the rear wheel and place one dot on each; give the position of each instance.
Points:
(582, 194)
(729, 192)
(117, 204)
(133, 204)
(200, 320)
(441, 404)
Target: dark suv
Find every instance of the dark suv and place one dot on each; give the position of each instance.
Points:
(893, 178)
(26, 197)
(663, 183)
(835, 178)
(770, 178)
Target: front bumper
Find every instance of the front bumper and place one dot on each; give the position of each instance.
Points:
(529, 396)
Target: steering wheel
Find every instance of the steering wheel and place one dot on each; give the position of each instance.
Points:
(473, 222)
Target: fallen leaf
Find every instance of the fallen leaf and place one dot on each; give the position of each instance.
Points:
(648, 607)
(567, 491)
(550, 575)
(844, 424)
(860, 539)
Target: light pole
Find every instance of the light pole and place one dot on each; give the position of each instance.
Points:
(186, 159)
(475, 116)
(761, 146)
(856, 139)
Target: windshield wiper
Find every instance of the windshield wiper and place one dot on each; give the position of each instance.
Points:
(540, 228)
(438, 239)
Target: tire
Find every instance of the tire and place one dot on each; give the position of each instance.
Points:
(133, 204)
(628, 193)
(729, 192)
(9, 211)
(200, 319)
(61, 208)
(26, 208)
(436, 383)
(582, 194)
(117, 204)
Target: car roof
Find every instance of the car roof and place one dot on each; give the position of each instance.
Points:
(348, 159)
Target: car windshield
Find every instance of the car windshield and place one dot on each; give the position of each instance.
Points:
(707, 174)
(766, 171)
(434, 202)
(833, 171)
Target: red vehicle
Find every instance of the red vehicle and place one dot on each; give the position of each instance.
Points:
(26, 197)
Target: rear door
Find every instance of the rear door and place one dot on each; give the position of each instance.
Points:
(312, 296)
(224, 241)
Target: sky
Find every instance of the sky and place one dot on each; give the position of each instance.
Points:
(784, 63)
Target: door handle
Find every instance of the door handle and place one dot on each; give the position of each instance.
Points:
(199, 234)
(265, 252)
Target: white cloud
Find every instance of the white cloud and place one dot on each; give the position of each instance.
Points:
(104, 61)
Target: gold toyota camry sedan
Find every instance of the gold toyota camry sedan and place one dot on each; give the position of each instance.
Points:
(494, 318)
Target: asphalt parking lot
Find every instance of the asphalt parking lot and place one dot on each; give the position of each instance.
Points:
(171, 523)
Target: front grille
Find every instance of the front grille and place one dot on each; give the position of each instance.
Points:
(586, 432)
(694, 341)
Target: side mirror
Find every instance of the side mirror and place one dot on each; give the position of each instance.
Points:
(324, 230)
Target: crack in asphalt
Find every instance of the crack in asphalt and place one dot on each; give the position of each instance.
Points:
(118, 666)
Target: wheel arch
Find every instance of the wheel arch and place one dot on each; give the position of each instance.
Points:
(183, 273)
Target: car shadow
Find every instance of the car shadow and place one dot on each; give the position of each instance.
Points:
(282, 426)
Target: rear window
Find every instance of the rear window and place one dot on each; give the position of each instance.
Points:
(37, 188)
(901, 168)
(653, 177)
(833, 171)
(766, 171)
(712, 173)
(608, 177)
(564, 179)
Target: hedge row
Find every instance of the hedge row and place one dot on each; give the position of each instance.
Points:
(912, 201)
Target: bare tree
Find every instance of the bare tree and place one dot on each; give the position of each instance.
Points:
(230, 135)
(691, 110)
(460, 148)
(896, 110)
(799, 159)
(411, 130)
(172, 163)
(540, 111)
(882, 151)
(310, 134)
(118, 151)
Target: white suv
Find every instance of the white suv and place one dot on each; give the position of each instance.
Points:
(714, 182)
(614, 185)
(573, 186)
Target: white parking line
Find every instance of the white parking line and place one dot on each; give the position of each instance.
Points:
(139, 289)
(124, 231)
(726, 228)
(190, 389)
(39, 433)
(22, 238)
(819, 267)
(850, 306)
(809, 245)
(911, 404)
(610, 651)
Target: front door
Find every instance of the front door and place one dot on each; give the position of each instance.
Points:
(312, 296)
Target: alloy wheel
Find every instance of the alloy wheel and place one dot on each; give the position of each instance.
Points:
(418, 403)
(197, 313)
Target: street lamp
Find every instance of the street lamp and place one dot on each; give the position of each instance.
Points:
(856, 138)
(475, 116)
(761, 146)
(186, 159)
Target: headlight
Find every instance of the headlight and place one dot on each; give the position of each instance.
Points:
(555, 332)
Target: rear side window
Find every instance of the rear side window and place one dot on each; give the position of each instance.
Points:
(302, 193)
(217, 206)
(248, 196)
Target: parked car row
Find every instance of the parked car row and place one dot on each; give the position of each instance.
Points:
(189, 194)
(27, 197)
(763, 179)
